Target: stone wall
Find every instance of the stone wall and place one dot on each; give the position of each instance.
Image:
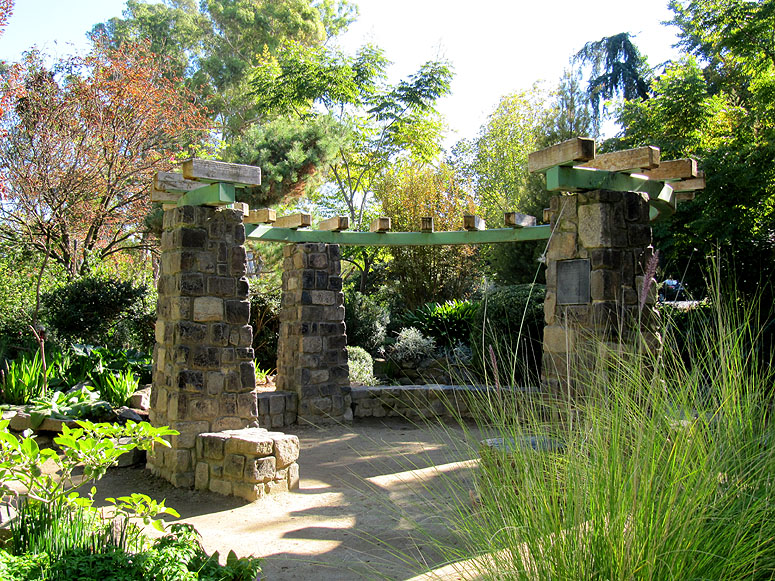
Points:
(248, 463)
(446, 402)
(204, 375)
(311, 353)
(596, 262)
(277, 409)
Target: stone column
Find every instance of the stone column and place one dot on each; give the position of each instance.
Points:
(596, 264)
(204, 375)
(312, 354)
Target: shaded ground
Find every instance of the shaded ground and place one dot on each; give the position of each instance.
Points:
(348, 521)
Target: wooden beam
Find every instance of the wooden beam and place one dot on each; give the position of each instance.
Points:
(426, 224)
(517, 220)
(473, 223)
(242, 207)
(294, 221)
(165, 197)
(690, 185)
(213, 195)
(638, 159)
(208, 171)
(380, 225)
(684, 196)
(673, 170)
(493, 236)
(335, 224)
(262, 216)
(166, 207)
(578, 149)
(167, 181)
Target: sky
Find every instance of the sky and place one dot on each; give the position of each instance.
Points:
(496, 47)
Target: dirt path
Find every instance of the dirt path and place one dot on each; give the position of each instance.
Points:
(348, 521)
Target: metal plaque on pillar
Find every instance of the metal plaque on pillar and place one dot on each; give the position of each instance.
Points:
(573, 282)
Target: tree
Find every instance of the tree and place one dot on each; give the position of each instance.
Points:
(377, 123)
(216, 45)
(718, 108)
(618, 69)
(407, 192)
(84, 141)
(6, 9)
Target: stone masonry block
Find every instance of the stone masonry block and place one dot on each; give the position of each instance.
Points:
(260, 469)
(251, 442)
(558, 339)
(286, 448)
(234, 466)
(202, 476)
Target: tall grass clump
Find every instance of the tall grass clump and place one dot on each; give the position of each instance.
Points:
(658, 468)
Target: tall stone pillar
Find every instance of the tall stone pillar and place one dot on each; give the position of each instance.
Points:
(597, 262)
(204, 375)
(312, 354)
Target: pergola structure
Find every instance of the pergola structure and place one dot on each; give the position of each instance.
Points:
(599, 241)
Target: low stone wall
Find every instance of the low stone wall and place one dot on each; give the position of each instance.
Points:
(277, 409)
(417, 402)
(249, 463)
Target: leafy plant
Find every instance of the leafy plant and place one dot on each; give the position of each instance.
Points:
(91, 447)
(366, 320)
(265, 320)
(76, 404)
(448, 323)
(22, 380)
(361, 366)
(115, 387)
(411, 346)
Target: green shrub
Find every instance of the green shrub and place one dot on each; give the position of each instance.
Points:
(366, 319)
(510, 320)
(448, 323)
(93, 309)
(115, 387)
(265, 320)
(411, 346)
(361, 366)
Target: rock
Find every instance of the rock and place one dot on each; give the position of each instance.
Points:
(124, 413)
(141, 399)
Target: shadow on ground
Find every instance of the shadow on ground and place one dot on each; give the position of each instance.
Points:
(349, 520)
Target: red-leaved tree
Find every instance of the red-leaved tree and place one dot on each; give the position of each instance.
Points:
(83, 141)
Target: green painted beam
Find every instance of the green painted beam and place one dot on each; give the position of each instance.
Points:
(219, 194)
(574, 179)
(264, 233)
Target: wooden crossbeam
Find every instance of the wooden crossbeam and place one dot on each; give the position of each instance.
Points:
(208, 171)
(492, 236)
(690, 185)
(673, 170)
(638, 159)
(517, 220)
(426, 224)
(242, 207)
(219, 194)
(165, 197)
(381, 224)
(473, 223)
(335, 224)
(167, 181)
(294, 221)
(576, 150)
(262, 216)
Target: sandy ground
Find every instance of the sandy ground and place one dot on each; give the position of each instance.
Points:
(361, 486)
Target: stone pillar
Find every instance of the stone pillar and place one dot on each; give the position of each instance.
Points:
(204, 376)
(596, 263)
(312, 354)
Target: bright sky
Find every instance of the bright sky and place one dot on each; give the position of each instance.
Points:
(495, 46)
